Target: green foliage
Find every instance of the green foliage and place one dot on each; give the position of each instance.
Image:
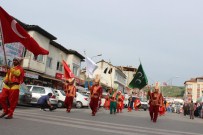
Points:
(174, 91)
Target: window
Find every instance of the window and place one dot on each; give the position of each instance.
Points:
(39, 90)
(39, 58)
(49, 62)
(59, 66)
(75, 69)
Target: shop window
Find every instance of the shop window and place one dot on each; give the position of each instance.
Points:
(38, 90)
(59, 66)
(49, 62)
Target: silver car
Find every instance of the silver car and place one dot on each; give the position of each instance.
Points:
(38, 91)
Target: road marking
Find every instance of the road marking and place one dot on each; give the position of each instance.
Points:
(97, 124)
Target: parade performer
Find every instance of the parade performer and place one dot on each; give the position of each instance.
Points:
(119, 102)
(137, 103)
(162, 109)
(10, 92)
(107, 102)
(113, 99)
(95, 94)
(155, 101)
(70, 94)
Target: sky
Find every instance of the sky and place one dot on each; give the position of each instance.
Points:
(165, 35)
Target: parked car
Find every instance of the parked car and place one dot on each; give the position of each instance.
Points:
(25, 95)
(126, 100)
(38, 91)
(61, 96)
(144, 104)
(81, 100)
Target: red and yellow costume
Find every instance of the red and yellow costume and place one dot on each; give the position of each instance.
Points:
(119, 102)
(155, 102)
(70, 94)
(10, 91)
(162, 108)
(137, 104)
(95, 94)
(107, 102)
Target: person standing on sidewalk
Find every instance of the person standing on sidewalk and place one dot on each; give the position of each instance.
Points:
(192, 109)
(70, 91)
(14, 77)
(95, 95)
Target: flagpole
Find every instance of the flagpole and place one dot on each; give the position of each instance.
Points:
(2, 39)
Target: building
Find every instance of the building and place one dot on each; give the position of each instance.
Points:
(193, 89)
(47, 70)
(129, 72)
(111, 75)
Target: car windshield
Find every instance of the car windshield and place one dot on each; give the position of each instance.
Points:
(63, 93)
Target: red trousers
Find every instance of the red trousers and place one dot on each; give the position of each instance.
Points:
(153, 111)
(69, 102)
(9, 100)
(119, 107)
(94, 104)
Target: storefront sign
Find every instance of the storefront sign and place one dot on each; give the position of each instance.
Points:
(3, 69)
(59, 76)
(30, 75)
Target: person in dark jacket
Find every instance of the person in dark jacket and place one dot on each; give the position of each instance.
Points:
(44, 102)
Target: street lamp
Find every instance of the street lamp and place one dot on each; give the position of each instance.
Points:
(96, 56)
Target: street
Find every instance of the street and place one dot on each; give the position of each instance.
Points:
(37, 122)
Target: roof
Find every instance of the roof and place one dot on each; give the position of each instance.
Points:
(116, 67)
(36, 28)
(191, 80)
(68, 51)
(128, 68)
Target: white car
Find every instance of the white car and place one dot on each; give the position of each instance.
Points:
(38, 91)
(61, 96)
(81, 100)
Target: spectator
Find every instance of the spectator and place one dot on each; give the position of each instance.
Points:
(191, 108)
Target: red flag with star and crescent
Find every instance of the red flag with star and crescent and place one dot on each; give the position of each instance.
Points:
(13, 32)
(67, 72)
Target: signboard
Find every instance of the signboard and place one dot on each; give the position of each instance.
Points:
(59, 76)
(30, 75)
(12, 50)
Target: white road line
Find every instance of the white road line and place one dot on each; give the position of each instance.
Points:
(106, 125)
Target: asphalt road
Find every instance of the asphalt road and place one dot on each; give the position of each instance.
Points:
(33, 121)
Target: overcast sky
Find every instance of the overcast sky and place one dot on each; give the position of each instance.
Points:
(166, 35)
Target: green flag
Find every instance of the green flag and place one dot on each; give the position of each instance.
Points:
(140, 79)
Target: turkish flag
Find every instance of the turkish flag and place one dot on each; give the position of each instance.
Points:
(12, 32)
(67, 72)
